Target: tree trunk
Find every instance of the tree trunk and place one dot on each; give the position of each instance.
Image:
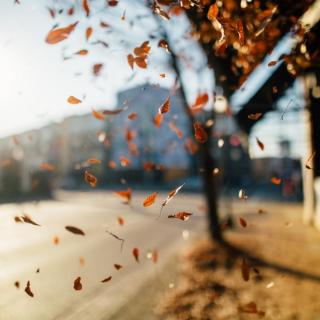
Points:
(210, 191)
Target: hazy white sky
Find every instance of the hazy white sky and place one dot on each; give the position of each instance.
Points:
(35, 81)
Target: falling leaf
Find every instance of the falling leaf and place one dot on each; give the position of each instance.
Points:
(184, 216)
(127, 194)
(75, 230)
(157, 120)
(245, 269)
(243, 222)
(254, 116)
(174, 128)
(98, 115)
(201, 100)
(165, 107)
(113, 112)
(113, 3)
(28, 290)
(52, 12)
(74, 100)
(27, 219)
(96, 69)
(149, 166)
(276, 181)
(150, 199)
(124, 161)
(272, 63)
(260, 144)
(116, 237)
(112, 164)
(155, 256)
(93, 161)
(191, 146)
(121, 221)
(90, 178)
(47, 166)
(82, 52)
(117, 266)
(106, 279)
(82, 261)
(213, 12)
(141, 62)
(199, 133)
(38, 270)
(171, 194)
(135, 253)
(104, 24)
(86, 8)
(133, 116)
(17, 284)
(89, 32)
(56, 240)
(130, 59)
(164, 44)
(77, 284)
(60, 34)
(162, 75)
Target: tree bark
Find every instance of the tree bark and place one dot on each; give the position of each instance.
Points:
(210, 191)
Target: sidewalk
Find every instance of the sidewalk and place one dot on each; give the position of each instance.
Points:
(283, 258)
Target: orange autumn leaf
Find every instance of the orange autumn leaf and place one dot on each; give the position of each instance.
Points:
(98, 115)
(165, 107)
(47, 166)
(86, 8)
(130, 59)
(176, 130)
(245, 269)
(184, 216)
(149, 166)
(82, 52)
(93, 161)
(89, 32)
(96, 69)
(56, 240)
(157, 120)
(199, 133)
(276, 181)
(127, 194)
(135, 253)
(201, 100)
(106, 279)
(90, 178)
(60, 34)
(73, 100)
(255, 116)
(213, 12)
(164, 44)
(124, 161)
(171, 194)
(77, 285)
(121, 221)
(141, 62)
(243, 222)
(133, 116)
(28, 290)
(260, 144)
(150, 199)
(155, 256)
(75, 230)
(112, 164)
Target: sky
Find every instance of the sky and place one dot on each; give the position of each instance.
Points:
(35, 80)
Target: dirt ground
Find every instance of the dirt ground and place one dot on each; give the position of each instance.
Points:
(206, 280)
(281, 256)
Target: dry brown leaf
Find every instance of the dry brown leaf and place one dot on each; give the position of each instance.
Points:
(60, 34)
(75, 230)
(150, 199)
(90, 178)
(77, 285)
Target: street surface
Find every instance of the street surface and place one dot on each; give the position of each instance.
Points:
(24, 248)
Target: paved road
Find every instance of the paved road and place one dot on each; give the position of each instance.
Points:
(24, 248)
